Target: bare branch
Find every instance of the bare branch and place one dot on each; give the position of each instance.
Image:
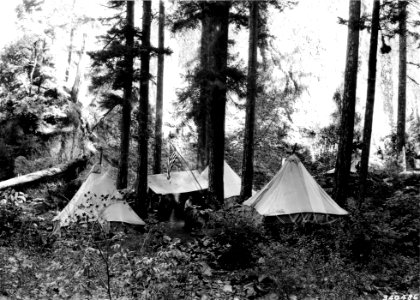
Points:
(414, 64)
(412, 80)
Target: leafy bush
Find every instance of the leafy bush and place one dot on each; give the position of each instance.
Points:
(302, 270)
(373, 250)
(9, 213)
(412, 148)
(19, 119)
(17, 228)
(25, 109)
(389, 235)
(6, 160)
(239, 235)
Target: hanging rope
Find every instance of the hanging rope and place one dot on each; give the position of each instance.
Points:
(186, 164)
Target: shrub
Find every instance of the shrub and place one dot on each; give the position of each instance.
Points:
(239, 235)
(9, 213)
(303, 270)
(6, 160)
(373, 250)
(383, 238)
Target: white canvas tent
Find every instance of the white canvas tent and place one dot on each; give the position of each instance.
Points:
(98, 200)
(121, 211)
(191, 181)
(232, 181)
(294, 196)
(178, 183)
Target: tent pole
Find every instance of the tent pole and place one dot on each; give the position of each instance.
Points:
(185, 162)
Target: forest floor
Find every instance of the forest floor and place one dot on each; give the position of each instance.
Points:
(373, 254)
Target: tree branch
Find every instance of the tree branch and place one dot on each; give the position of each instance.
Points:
(102, 118)
(412, 80)
(414, 64)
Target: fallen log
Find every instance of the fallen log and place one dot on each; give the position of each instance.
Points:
(61, 169)
(412, 173)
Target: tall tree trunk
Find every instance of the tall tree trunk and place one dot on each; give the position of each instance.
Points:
(70, 48)
(70, 53)
(387, 87)
(402, 75)
(248, 155)
(370, 98)
(262, 34)
(143, 114)
(218, 53)
(159, 92)
(77, 78)
(126, 106)
(34, 64)
(202, 118)
(342, 169)
(41, 63)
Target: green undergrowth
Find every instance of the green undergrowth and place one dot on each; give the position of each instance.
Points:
(371, 253)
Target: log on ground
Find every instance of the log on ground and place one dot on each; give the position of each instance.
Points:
(45, 174)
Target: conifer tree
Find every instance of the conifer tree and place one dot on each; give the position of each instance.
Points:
(402, 75)
(70, 47)
(248, 153)
(126, 106)
(370, 98)
(200, 91)
(345, 146)
(114, 67)
(197, 94)
(396, 22)
(202, 115)
(218, 55)
(78, 77)
(159, 90)
(143, 114)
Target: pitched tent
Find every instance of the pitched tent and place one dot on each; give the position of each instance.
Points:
(121, 211)
(191, 181)
(178, 183)
(294, 196)
(98, 200)
(232, 181)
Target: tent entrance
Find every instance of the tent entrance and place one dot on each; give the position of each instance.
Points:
(174, 204)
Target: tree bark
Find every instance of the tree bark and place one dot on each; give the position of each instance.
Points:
(370, 98)
(218, 52)
(387, 86)
(34, 64)
(402, 76)
(248, 155)
(159, 91)
(262, 34)
(41, 63)
(141, 188)
(77, 78)
(343, 162)
(44, 174)
(70, 53)
(126, 106)
(202, 118)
